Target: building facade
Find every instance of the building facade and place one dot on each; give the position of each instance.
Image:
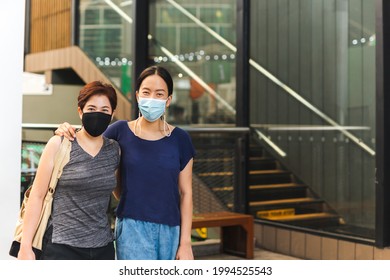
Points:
(302, 81)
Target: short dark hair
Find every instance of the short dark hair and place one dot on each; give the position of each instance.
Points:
(97, 88)
(156, 70)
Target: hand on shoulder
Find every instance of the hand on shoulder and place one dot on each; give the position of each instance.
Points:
(66, 130)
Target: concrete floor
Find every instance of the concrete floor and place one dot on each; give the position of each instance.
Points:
(259, 254)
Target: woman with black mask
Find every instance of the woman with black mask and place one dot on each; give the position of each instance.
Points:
(79, 228)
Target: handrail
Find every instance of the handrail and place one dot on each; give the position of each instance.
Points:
(193, 75)
(288, 127)
(43, 126)
(297, 127)
(233, 129)
(177, 61)
(311, 107)
(203, 25)
(270, 143)
(274, 79)
(119, 11)
(236, 130)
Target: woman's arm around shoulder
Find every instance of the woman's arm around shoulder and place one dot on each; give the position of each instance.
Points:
(66, 130)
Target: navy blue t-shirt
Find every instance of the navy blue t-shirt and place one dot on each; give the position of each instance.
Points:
(150, 172)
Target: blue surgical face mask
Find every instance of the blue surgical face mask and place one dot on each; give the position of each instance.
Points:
(151, 109)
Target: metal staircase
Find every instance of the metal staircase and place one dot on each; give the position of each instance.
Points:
(274, 193)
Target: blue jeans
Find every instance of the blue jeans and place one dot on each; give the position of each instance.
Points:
(139, 240)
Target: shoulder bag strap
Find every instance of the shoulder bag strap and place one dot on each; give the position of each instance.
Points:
(61, 159)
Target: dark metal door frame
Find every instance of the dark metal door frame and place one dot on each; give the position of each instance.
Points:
(382, 217)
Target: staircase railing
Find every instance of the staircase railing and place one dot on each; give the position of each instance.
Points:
(279, 83)
(220, 163)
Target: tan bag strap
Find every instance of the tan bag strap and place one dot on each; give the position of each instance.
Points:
(61, 159)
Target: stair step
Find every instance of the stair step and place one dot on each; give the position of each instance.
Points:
(275, 186)
(302, 217)
(222, 189)
(262, 163)
(215, 164)
(265, 192)
(255, 151)
(267, 177)
(260, 158)
(223, 173)
(311, 220)
(265, 172)
(282, 201)
(222, 159)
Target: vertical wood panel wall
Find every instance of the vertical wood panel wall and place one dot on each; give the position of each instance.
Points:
(50, 25)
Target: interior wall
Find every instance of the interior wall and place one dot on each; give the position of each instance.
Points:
(56, 108)
(11, 115)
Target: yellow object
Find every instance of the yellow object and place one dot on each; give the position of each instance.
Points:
(202, 232)
(269, 214)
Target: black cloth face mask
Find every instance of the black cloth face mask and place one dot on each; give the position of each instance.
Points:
(95, 123)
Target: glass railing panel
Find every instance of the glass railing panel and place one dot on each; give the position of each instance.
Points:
(184, 40)
(214, 172)
(105, 32)
(313, 98)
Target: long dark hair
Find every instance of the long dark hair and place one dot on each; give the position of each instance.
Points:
(156, 70)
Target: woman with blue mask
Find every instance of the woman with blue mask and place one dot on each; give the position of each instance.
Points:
(154, 214)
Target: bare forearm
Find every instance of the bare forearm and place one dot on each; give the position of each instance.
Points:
(33, 210)
(186, 218)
